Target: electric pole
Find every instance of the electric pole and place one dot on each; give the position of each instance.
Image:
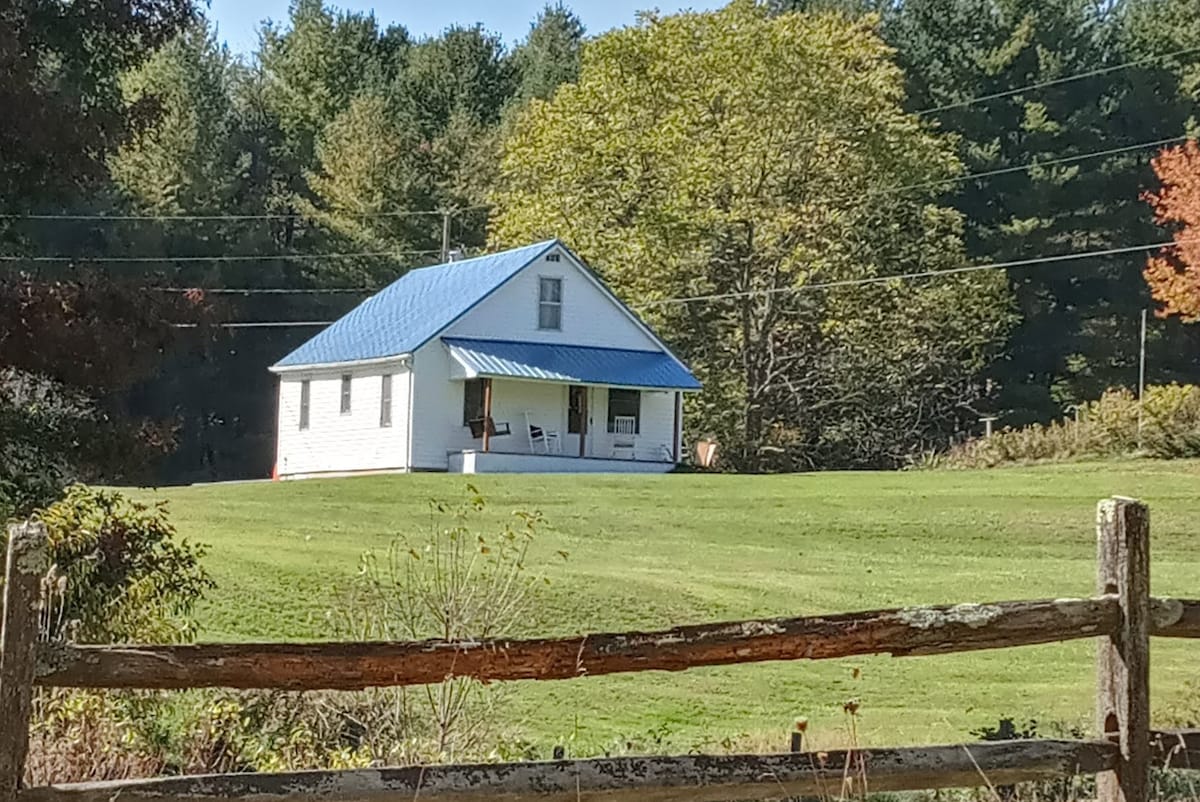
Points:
(1141, 376)
(445, 236)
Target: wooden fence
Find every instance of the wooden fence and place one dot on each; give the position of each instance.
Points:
(1122, 618)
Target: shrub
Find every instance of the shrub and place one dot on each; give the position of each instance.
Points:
(79, 736)
(1107, 427)
(452, 582)
(119, 572)
(1171, 421)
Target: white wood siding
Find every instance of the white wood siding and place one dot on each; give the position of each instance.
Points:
(334, 442)
(437, 406)
(656, 434)
(589, 316)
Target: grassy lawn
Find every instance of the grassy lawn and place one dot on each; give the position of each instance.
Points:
(649, 552)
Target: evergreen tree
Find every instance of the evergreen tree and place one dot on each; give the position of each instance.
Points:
(1079, 321)
(318, 64)
(550, 55)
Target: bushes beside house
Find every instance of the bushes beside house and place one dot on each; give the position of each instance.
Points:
(1106, 428)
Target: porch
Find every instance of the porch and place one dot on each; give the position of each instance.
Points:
(501, 462)
(564, 409)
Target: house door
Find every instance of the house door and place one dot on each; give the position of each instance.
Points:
(577, 416)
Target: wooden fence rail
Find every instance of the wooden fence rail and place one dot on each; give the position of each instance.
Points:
(1122, 617)
(641, 779)
(353, 666)
(823, 775)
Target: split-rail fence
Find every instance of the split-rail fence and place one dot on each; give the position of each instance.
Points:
(1122, 617)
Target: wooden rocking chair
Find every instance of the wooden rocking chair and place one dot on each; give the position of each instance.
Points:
(493, 429)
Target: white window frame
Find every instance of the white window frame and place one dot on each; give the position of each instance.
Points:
(548, 304)
(305, 403)
(636, 396)
(385, 401)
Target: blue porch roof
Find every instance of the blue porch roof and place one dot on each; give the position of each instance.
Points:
(573, 364)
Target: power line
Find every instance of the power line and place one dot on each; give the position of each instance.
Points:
(1055, 82)
(255, 324)
(907, 276)
(1031, 165)
(1066, 257)
(218, 217)
(223, 258)
(883, 191)
(267, 290)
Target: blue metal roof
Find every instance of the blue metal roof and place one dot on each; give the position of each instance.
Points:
(412, 310)
(577, 364)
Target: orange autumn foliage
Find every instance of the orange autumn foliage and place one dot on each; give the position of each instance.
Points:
(1174, 274)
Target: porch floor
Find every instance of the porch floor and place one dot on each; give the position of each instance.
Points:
(499, 462)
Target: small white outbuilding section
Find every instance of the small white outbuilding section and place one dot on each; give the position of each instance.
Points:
(520, 361)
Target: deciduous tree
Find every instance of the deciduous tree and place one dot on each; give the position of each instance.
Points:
(753, 160)
(1174, 275)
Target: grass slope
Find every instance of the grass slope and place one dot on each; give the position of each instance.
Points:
(649, 552)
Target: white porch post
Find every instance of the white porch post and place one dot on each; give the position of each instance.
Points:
(675, 450)
(583, 420)
(487, 415)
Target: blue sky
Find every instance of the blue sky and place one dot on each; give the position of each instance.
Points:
(238, 20)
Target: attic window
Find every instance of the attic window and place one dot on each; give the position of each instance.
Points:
(552, 257)
(549, 303)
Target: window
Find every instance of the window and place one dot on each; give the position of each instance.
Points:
(552, 257)
(576, 408)
(549, 303)
(472, 400)
(385, 401)
(345, 393)
(625, 404)
(305, 391)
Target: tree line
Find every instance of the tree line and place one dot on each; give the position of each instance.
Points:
(751, 180)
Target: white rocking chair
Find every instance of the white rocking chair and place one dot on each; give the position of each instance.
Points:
(624, 439)
(548, 441)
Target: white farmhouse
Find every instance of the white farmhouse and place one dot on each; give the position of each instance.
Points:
(521, 361)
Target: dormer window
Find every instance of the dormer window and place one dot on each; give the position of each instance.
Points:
(550, 303)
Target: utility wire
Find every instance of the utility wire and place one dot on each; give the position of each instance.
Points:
(1066, 257)
(224, 258)
(883, 191)
(216, 217)
(269, 290)
(907, 276)
(1055, 82)
(258, 324)
(293, 215)
(1020, 168)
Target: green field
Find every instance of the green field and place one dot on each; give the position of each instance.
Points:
(653, 552)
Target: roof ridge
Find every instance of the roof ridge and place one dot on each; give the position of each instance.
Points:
(468, 260)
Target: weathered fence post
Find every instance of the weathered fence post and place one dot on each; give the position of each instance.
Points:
(1123, 660)
(26, 566)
